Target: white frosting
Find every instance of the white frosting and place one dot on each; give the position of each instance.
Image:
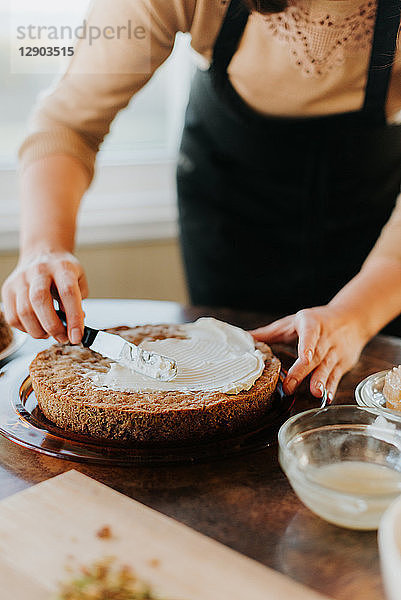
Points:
(215, 357)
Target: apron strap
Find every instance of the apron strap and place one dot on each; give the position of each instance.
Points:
(382, 55)
(230, 34)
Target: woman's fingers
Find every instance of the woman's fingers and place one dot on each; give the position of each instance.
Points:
(317, 352)
(26, 314)
(322, 374)
(308, 330)
(42, 303)
(329, 344)
(83, 286)
(282, 330)
(333, 381)
(29, 291)
(66, 281)
(301, 368)
(286, 330)
(310, 350)
(10, 310)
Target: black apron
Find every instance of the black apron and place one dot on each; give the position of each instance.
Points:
(278, 214)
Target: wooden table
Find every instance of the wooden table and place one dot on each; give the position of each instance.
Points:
(244, 502)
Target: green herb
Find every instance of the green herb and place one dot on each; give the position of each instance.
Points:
(105, 581)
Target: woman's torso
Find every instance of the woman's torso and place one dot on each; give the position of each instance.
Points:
(312, 59)
(282, 212)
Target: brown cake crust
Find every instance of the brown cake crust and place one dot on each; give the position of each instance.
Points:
(6, 334)
(74, 403)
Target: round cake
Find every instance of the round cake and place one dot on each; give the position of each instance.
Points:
(6, 334)
(224, 385)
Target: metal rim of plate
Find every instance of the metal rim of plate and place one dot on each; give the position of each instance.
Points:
(369, 394)
(22, 422)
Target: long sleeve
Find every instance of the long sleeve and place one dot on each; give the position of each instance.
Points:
(75, 115)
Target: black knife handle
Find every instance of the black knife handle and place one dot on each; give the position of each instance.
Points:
(62, 317)
(89, 334)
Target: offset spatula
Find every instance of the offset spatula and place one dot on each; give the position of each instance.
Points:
(110, 345)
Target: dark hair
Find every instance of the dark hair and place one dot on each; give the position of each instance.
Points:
(267, 6)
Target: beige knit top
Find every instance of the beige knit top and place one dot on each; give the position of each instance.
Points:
(311, 59)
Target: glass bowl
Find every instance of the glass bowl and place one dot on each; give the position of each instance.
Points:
(343, 462)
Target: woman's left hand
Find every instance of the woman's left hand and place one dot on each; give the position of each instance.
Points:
(330, 341)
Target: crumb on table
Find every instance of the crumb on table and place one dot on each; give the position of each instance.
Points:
(154, 562)
(104, 532)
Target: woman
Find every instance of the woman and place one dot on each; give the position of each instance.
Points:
(290, 167)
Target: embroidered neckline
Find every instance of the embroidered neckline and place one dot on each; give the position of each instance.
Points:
(318, 39)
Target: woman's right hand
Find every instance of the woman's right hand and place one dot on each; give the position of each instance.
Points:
(29, 291)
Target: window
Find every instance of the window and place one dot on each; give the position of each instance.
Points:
(133, 194)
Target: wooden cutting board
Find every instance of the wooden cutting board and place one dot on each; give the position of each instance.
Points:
(55, 523)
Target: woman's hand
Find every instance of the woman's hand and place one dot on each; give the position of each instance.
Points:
(330, 341)
(29, 291)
